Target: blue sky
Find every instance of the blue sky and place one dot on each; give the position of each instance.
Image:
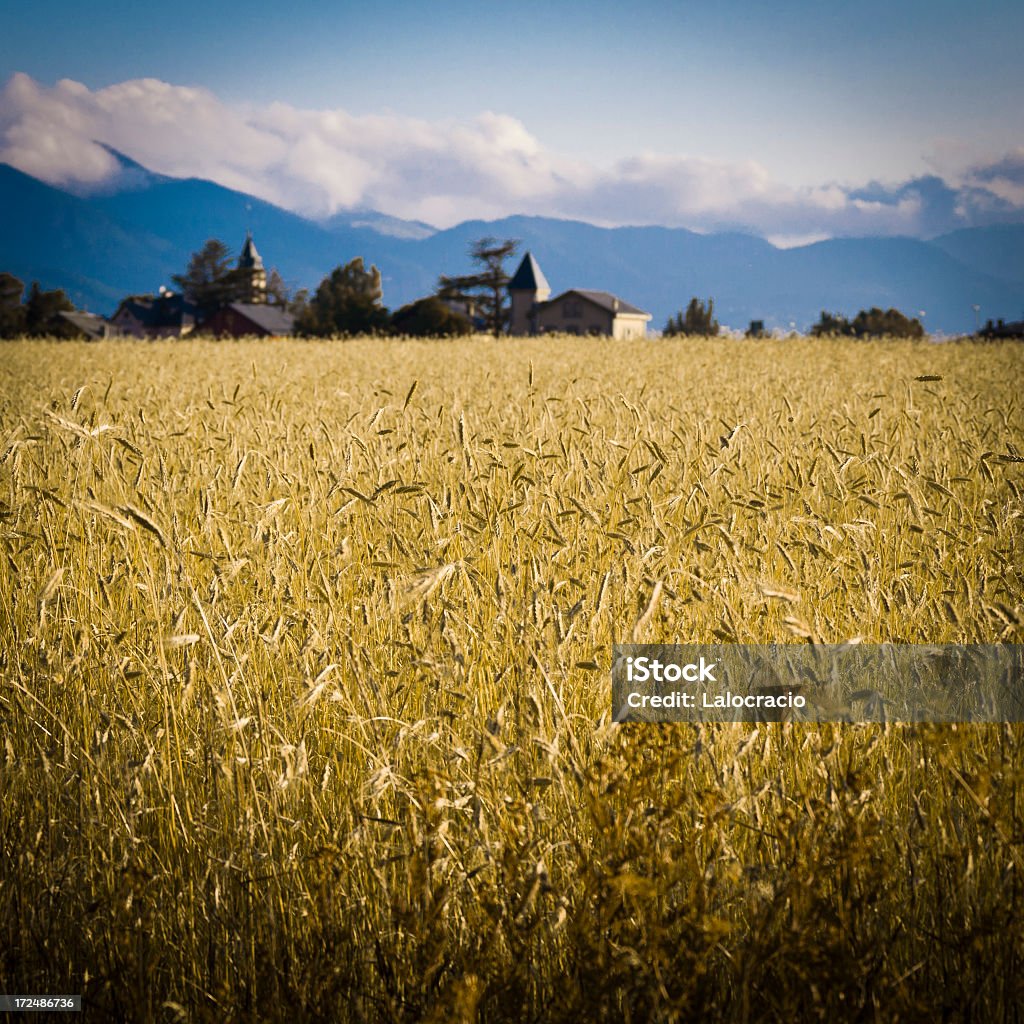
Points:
(627, 106)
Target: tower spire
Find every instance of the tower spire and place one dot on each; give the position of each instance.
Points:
(527, 287)
(252, 272)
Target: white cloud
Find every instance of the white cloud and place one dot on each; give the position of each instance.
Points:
(319, 161)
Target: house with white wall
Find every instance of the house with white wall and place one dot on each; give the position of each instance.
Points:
(577, 311)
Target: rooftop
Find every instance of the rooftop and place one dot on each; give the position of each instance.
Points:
(166, 310)
(603, 299)
(529, 277)
(271, 319)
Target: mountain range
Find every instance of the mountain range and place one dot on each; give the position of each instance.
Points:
(131, 235)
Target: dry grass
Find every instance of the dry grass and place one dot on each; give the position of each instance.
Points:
(305, 680)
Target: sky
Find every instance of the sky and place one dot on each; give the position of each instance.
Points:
(791, 119)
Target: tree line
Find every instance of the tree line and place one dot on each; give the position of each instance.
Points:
(869, 323)
(699, 321)
(349, 300)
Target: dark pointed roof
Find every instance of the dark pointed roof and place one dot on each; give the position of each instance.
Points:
(250, 258)
(529, 277)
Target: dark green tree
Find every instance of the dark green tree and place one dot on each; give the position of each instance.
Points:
(868, 323)
(487, 289)
(874, 323)
(12, 313)
(699, 319)
(348, 301)
(210, 281)
(41, 307)
(430, 318)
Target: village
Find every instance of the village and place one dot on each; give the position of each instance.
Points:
(241, 301)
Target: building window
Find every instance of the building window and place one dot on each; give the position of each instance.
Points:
(571, 308)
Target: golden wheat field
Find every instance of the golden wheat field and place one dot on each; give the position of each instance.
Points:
(305, 656)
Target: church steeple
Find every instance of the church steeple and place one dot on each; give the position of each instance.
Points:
(527, 287)
(252, 273)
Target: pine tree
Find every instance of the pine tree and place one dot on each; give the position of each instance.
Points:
(348, 301)
(699, 319)
(487, 289)
(210, 282)
(41, 307)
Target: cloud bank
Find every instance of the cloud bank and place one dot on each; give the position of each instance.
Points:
(317, 162)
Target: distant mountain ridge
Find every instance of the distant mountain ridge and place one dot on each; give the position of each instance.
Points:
(132, 235)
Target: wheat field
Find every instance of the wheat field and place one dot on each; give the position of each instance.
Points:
(305, 688)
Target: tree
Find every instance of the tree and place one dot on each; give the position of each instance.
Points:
(41, 307)
(430, 318)
(12, 313)
(873, 323)
(699, 320)
(868, 323)
(833, 324)
(210, 281)
(348, 301)
(486, 290)
(279, 294)
(298, 303)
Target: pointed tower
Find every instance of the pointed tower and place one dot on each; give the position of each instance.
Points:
(527, 287)
(252, 275)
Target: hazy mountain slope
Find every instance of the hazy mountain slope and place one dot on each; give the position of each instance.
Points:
(997, 251)
(848, 274)
(66, 241)
(188, 212)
